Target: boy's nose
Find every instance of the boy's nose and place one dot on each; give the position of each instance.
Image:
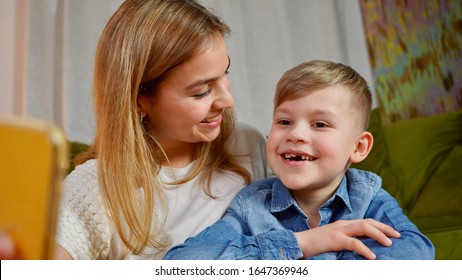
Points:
(300, 133)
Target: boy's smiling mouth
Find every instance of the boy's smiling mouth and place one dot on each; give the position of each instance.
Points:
(298, 157)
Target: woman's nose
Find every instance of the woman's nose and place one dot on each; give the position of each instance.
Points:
(224, 98)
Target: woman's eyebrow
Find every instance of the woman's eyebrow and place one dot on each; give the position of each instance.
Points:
(202, 82)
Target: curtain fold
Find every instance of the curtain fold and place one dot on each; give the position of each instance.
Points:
(268, 37)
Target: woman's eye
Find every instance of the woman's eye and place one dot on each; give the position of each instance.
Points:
(201, 95)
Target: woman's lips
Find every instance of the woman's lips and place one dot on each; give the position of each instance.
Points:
(212, 122)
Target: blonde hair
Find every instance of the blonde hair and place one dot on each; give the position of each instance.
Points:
(315, 75)
(142, 41)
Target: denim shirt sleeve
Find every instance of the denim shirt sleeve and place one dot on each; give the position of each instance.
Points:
(229, 239)
(412, 245)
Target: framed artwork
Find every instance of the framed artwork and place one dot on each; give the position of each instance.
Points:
(415, 51)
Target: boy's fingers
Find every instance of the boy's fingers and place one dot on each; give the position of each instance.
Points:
(359, 247)
(375, 230)
(388, 230)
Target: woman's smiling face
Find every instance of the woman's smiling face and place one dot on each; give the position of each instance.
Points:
(187, 106)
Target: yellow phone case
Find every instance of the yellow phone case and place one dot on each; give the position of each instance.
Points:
(33, 161)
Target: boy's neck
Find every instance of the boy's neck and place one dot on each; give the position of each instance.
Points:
(311, 200)
(311, 206)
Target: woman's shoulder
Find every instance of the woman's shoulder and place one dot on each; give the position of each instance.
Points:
(85, 172)
(247, 139)
(250, 132)
(82, 221)
(248, 145)
(82, 183)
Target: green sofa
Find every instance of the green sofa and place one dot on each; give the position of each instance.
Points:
(420, 162)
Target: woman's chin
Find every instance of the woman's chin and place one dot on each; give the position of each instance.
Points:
(207, 135)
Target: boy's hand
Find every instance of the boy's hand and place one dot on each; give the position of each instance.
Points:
(340, 235)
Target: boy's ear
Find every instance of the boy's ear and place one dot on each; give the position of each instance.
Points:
(363, 147)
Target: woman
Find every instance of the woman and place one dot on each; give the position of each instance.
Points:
(165, 162)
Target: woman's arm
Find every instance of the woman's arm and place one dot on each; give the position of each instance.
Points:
(61, 253)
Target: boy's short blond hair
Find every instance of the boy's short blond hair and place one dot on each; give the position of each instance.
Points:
(315, 75)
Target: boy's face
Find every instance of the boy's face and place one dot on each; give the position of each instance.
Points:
(311, 140)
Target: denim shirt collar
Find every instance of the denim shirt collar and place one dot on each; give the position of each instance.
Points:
(282, 198)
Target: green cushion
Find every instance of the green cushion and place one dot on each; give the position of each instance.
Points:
(442, 195)
(448, 243)
(417, 147)
(445, 232)
(76, 148)
(439, 223)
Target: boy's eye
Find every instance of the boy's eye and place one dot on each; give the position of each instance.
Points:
(283, 122)
(319, 125)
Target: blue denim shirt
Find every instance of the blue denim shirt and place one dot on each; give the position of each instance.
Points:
(261, 220)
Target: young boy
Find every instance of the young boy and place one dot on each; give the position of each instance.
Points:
(316, 207)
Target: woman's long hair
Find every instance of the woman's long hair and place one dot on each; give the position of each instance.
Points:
(142, 41)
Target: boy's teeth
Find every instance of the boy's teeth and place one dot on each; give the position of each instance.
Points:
(297, 157)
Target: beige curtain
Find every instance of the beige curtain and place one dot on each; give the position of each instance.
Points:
(54, 41)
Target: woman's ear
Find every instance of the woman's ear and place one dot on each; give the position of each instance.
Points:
(143, 104)
(363, 147)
